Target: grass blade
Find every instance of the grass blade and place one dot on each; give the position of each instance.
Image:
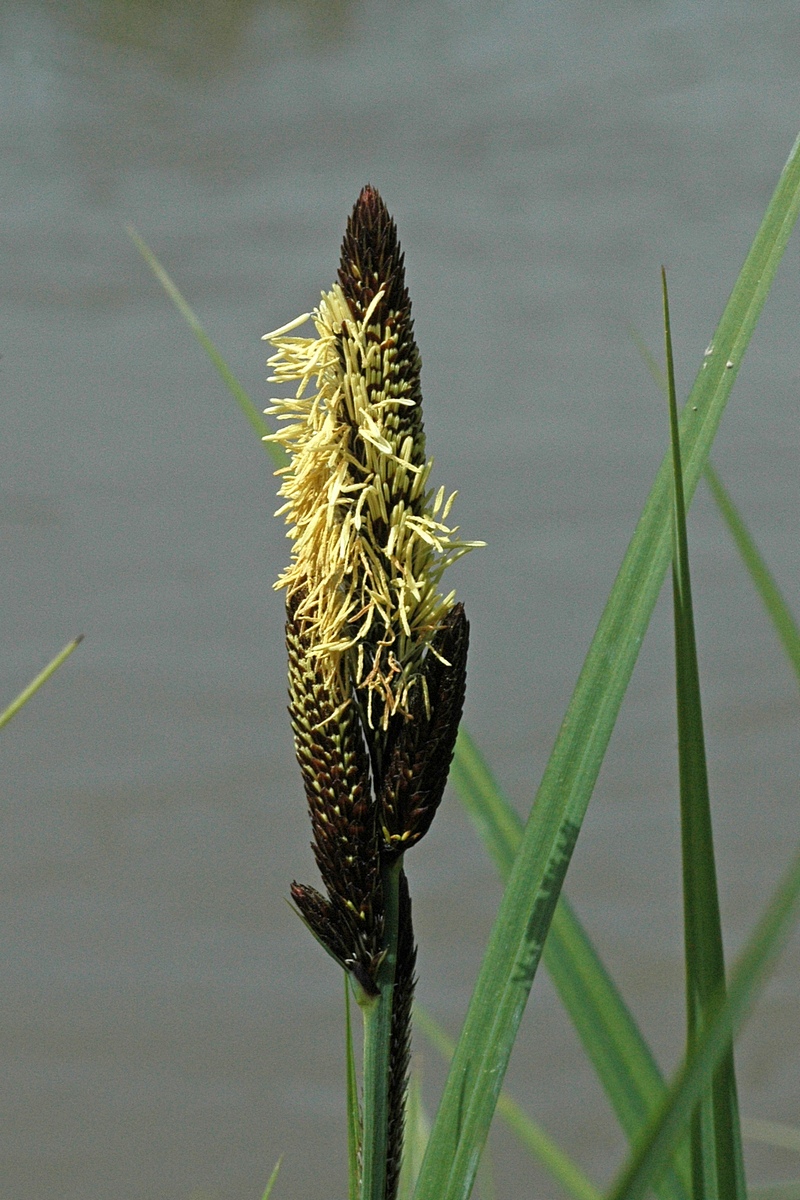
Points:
(353, 1112)
(717, 1164)
(766, 586)
(272, 1179)
(36, 683)
(567, 1173)
(233, 385)
(770, 593)
(613, 1042)
(516, 942)
(667, 1126)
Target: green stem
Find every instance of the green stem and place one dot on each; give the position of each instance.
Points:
(41, 678)
(377, 1012)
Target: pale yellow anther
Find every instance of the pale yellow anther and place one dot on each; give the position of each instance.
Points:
(369, 543)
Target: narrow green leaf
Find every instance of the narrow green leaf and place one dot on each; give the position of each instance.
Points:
(272, 1178)
(35, 684)
(774, 602)
(353, 1113)
(613, 1042)
(717, 1164)
(777, 608)
(667, 1126)
(770, 593)
(566, 1172)
(236, 389)
(516, 942)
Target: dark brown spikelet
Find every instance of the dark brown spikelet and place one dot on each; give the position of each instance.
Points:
(371, 261)
(400, 1049)
(322, 919)
(419, 759)
(335, 770)
(371, 257)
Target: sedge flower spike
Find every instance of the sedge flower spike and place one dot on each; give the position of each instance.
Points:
(377, 653)
(370, 539)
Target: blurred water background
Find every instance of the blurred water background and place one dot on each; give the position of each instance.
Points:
(168, 1029)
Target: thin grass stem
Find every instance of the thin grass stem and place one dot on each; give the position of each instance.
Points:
(353, 1114)
(377, 1012)
(36, 683)
(666, 1127)
(237, 390)
(773, 600)
(272, 1179)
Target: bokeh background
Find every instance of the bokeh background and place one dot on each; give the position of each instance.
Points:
(168, 1028)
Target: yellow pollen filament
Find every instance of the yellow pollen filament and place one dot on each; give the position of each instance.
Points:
(370, 543)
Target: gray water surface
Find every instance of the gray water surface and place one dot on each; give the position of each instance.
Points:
(168, 1028)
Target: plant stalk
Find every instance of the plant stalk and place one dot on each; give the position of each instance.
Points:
(377, 1012)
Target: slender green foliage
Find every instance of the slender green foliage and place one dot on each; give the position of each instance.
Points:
(36, 683)
(717, 1165)
(666, 1127)
(353, 1111)
(272, 1179)
(763, 579)
(228, 378)
(621, 1057)
(771, 595)
(519, 932)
